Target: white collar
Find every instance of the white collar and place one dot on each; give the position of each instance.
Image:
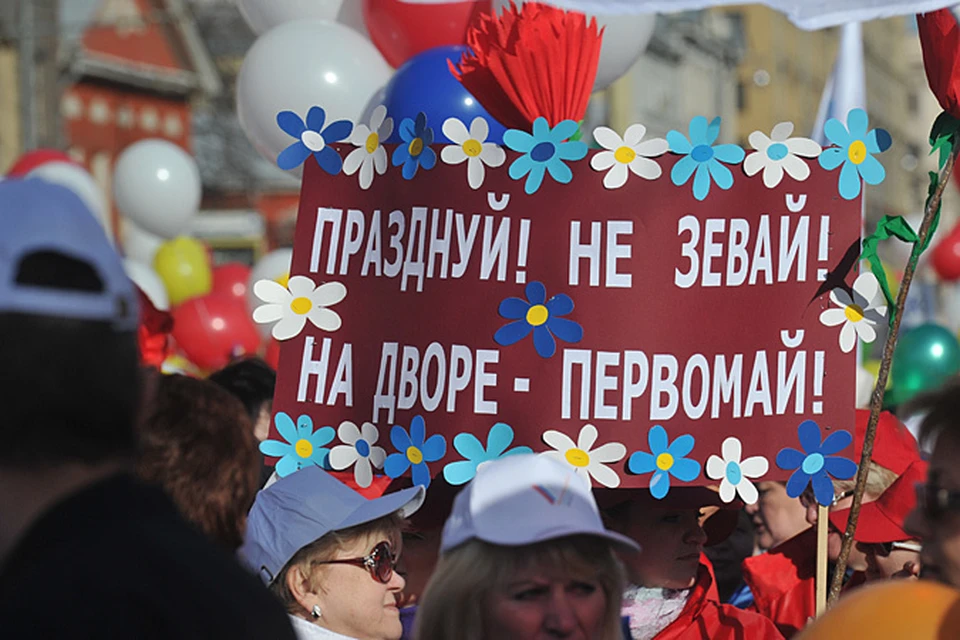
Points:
(306, 630)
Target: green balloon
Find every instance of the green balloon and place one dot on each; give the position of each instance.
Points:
(923, 360)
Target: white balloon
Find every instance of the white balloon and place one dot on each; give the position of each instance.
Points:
(263, 15)
(156, 184)
(351, 14)
(272, 266)
(149, 282)
(299, 65)
(138, 244)
(625, 37)
(81, 183)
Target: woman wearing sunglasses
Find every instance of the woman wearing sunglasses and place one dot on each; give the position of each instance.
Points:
(329, 554)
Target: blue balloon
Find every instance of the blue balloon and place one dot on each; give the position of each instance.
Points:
(425, 83)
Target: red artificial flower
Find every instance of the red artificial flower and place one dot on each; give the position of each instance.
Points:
(530, 62)
(940, 39)
(153, 334)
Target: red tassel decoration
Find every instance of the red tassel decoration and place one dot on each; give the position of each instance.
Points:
(940, 39)
(153, 333)
(530, 62)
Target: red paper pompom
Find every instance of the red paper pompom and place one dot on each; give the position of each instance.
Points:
(940, 39)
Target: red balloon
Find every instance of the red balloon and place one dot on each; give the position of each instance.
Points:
(231, 280)
(401, 30)
(946, 256)
(33, 159)
(214, 329)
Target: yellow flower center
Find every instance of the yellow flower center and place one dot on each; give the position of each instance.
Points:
(472, 148)
(664, 461)
(578, 457)
(537, 315)
(373, 141)
(624, 155)
(415, 147)
(301, 306)
(857, 152)
(854, 313)
(414, 455)
(303, 448)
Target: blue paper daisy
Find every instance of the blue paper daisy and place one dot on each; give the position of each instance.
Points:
(542, 317)
(701, 159)
(312, 138)
(544, 151)
(415, 450)
(665, 459)
(817, 462)
(499, 440)
(854, 148)
(414, 151)
(303, 446)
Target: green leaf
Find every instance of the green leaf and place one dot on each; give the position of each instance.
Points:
(579, 133)
(934, 181)
(889, 227)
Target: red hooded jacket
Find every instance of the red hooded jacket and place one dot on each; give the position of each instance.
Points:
(704, 617)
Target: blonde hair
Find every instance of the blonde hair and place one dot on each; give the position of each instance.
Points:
(879, 480)
(456, 603)
(324, 548)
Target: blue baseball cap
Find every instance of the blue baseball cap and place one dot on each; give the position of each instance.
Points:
(38, 216)
(305, 506)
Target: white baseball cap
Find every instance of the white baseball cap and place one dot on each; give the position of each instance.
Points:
(523, 499)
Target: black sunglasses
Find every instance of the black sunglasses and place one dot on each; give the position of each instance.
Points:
(935, 501)
(380, 563)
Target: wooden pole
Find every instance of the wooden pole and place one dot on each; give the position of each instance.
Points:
(876, 401)
(823, 521)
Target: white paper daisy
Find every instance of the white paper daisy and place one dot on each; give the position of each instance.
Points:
(473, 147)
(858, 315)
(630, 154)
(291, 306)
(779, 153)
(735, 475)
(360, 451)
(586, 462)
(369, 154)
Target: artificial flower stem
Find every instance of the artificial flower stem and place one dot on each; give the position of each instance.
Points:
(876, 401)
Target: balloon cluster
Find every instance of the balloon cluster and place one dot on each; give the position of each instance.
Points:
(340, 54)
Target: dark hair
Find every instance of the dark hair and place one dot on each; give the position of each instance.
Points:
(196, 442)
(71, 387)
(941, 411)
(251, 380)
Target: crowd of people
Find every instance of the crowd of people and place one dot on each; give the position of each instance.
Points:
(137, 505)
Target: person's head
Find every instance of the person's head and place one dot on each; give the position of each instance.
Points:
(68, 317)
(776, 517)
(890, 551)
(252, 381)
(672, 539)
(936, 520)
(524, 555)
(329, 554)
(197, 444)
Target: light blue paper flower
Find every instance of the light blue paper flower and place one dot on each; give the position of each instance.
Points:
(499, 439)
(701, 159)
(414, 151)
(416, 450)
(312, 138)
(542, 317)
(303, 446)
(664, 460)
(855, 146)
(817, 463)
(544, 151)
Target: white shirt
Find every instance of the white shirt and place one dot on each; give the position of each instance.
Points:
(306, 630)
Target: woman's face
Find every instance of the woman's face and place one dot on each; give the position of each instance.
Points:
(884, 562)
(352, 602)
(776, 516)
(547, 603)
(671, 541)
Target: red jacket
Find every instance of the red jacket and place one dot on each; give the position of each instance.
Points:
(704, 617)
(783, 582)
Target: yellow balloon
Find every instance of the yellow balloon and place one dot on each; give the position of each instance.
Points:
(184, 267)
(873, 366)
(894, 610)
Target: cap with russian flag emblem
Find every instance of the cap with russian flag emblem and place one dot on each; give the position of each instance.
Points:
(525, 499)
